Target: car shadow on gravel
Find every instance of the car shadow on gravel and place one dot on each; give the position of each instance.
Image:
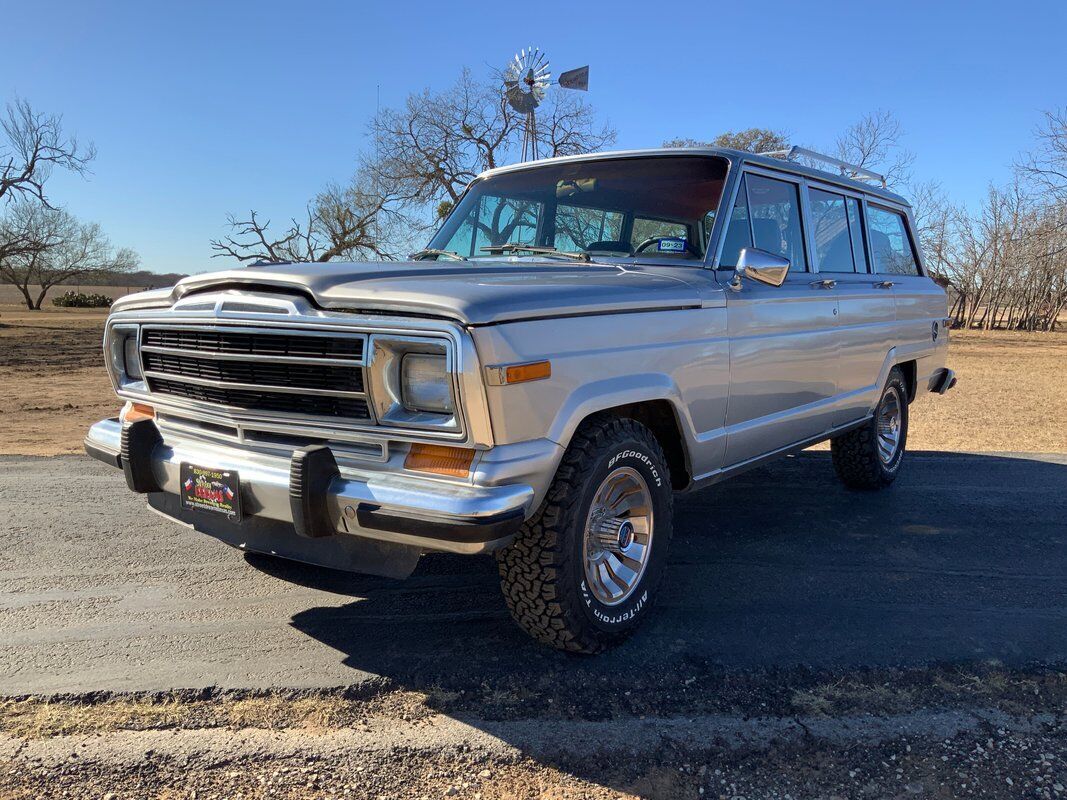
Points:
(963, 561)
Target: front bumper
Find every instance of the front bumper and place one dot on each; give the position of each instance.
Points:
(422, 514)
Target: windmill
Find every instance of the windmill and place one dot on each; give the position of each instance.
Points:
(525, 81)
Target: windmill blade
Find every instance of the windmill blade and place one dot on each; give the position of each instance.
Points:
(575, 79)
(526, 79)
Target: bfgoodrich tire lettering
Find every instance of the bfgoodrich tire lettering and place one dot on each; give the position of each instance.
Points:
(860, 460)
(543, 573)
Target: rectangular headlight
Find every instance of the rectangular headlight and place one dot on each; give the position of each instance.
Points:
(131, 358)
(425, 384)
(122, 352)
(411, 382)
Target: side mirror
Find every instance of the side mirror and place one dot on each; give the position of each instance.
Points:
(759, 265)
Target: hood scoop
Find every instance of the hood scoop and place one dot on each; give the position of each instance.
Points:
(233, 302)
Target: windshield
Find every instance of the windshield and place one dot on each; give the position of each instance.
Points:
(659, 207)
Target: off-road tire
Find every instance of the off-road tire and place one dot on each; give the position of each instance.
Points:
(542, 572)
(855, 454)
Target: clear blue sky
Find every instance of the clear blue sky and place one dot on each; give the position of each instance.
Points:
(198, 109)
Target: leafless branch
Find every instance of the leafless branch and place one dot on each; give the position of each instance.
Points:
(34, 145)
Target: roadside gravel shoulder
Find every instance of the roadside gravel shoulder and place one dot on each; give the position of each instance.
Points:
(951, 732)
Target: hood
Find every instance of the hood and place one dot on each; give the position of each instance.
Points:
(472, 292)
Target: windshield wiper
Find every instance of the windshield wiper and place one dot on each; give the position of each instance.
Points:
(515, 247)
(418, 255)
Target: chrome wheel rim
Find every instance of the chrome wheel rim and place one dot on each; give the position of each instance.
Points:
(618, 536)
(890, 422)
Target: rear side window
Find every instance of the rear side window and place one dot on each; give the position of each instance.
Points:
(774, 211)
(830, 231)
(891, 248)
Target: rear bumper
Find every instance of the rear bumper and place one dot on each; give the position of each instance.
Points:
(318, 504)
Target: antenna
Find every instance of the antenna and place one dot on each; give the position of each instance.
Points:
(525, 81)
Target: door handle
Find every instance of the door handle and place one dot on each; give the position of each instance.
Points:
(824, 284)
(884, 285)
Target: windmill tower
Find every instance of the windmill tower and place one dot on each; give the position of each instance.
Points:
(525, 81)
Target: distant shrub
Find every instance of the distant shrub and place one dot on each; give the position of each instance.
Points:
(82, 300)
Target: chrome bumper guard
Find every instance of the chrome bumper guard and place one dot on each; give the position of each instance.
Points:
(310, 493)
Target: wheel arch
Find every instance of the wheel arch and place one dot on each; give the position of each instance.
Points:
(910, 371)
(654, 403)
(909, 367)
(660, 417)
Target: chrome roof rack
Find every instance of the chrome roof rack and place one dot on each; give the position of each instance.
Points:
(848, 170)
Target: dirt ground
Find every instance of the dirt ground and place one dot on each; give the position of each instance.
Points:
(937, 733)
(53, 383)
(1011, 394)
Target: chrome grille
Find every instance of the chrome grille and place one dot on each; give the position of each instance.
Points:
(305, 346)
(269, 373)
(310, 372)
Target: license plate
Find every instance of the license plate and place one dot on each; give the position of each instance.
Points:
(214, 490)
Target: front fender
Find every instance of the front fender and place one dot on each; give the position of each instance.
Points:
(621, 390)
(603, 362)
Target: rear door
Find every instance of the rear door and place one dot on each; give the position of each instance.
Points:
(867, 315)
(783, 349)
(920, 303)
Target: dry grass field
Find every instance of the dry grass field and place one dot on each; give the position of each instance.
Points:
(1011, 395)
(1012, 392)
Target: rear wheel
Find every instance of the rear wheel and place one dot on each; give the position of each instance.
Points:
(582, 573)
(869, 457)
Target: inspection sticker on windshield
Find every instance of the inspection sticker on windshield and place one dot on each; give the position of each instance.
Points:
(671, 244)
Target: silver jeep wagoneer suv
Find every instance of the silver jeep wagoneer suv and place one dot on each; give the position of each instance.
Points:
(581, 339)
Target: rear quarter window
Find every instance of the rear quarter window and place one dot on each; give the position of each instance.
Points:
(891, 247)
(830, 231)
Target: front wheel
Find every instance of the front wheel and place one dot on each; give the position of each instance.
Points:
(869, 457)
(582, 573)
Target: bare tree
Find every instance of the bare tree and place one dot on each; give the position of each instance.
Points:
(934, 216)
(754, 140)
(41, 247)
(1046, 166)
(874, 142)
(1007, 262)
(354, 221)
(437, 143)
(568, 126)
(33, 145)
(428, 150)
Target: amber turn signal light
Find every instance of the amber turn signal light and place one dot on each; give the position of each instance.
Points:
(520, 373)
(135, 412)
(439, 459)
